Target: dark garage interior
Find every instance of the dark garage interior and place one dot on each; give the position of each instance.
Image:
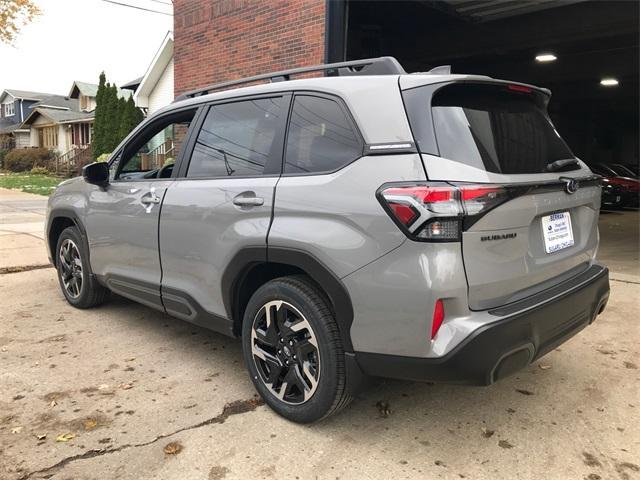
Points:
(591, 41)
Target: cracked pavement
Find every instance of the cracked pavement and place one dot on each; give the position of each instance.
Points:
(126, 381)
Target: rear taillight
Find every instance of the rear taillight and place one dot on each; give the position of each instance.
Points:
(435, 212)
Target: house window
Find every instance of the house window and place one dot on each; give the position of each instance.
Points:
(9, 109)
(49, 137)
(84, 104)
(80, 134)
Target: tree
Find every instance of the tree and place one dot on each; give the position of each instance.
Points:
(123, 120)
(14, 14)
(98, 125)
(115, 117)
(111, 121)
(130, 118)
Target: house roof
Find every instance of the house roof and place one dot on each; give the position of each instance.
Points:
(154, 72)
(24, 94)
(132, 84)
(58, 101)
(91, 90)
(58, 116)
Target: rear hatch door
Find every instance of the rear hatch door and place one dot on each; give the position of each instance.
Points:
(535, 225)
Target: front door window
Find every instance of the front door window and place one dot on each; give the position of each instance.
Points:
(153, 152)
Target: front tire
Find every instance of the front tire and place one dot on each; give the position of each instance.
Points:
(293, 350)
(76, 281)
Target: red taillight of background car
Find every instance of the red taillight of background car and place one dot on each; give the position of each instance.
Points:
(434, 212)
(630, 184)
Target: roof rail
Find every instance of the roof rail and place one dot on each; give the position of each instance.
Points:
(368, 66)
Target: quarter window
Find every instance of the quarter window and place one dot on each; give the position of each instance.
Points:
(237, 138)
(321, 138)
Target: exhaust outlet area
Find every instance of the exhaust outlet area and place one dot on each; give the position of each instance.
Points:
(513, 361)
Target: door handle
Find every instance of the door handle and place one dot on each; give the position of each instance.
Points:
(248, 201)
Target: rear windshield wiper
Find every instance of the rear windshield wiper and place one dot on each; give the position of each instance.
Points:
(561, 164)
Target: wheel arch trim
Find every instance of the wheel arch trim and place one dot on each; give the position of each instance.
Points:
(249, 257)
(71, 215)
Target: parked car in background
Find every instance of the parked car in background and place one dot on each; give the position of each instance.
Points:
(612, 195)
(630, 187)
(624, 170)
(634, 168)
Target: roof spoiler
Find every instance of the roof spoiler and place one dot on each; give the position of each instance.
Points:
(368, 66)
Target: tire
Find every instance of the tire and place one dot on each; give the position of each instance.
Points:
(78, 284)
(300, 317)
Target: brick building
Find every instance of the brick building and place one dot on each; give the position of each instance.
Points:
(227, 39)
(589, 41)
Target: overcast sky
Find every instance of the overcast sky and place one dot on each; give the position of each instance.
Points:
(77, 39)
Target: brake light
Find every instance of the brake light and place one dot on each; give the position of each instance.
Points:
(438, 317)
(519, 88)
(435, 211)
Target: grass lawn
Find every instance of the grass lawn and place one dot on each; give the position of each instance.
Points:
(40, 184)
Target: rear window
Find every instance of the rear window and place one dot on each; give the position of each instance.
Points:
(496, 128)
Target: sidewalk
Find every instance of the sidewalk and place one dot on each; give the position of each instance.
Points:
(22, 229)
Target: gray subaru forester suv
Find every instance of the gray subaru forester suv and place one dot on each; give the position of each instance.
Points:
(369, 222)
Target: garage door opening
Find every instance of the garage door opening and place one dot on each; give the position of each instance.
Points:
(585, 52)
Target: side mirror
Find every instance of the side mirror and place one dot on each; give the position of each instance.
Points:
(96, 173)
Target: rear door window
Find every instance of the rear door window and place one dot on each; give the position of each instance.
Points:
(498, 128)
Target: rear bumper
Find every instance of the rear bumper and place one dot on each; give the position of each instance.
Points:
(522, 333)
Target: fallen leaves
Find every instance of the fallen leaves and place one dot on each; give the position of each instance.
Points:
(65, 437)
(41, 436)
(504, 444)
(544, 367)
(630, 365)
(523, 391)
(16, 429)
(486, 433)
(90, 423)
(172, 448)
(52, 398)
(383, 408)
(125, 386)
(605, 351)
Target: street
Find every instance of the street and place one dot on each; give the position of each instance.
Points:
(125, 392)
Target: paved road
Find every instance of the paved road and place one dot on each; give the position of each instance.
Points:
(125, 382)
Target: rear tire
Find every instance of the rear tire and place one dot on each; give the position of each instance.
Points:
(78, 284)
(293, 350)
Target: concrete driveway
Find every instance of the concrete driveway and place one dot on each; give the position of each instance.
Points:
(125, 392)
(21, 229)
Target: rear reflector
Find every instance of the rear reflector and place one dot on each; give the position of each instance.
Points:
(438, 317)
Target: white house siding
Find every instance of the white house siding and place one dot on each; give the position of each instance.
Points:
(61, 129)
(33, 138)
(63, 145)
(162, 93)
